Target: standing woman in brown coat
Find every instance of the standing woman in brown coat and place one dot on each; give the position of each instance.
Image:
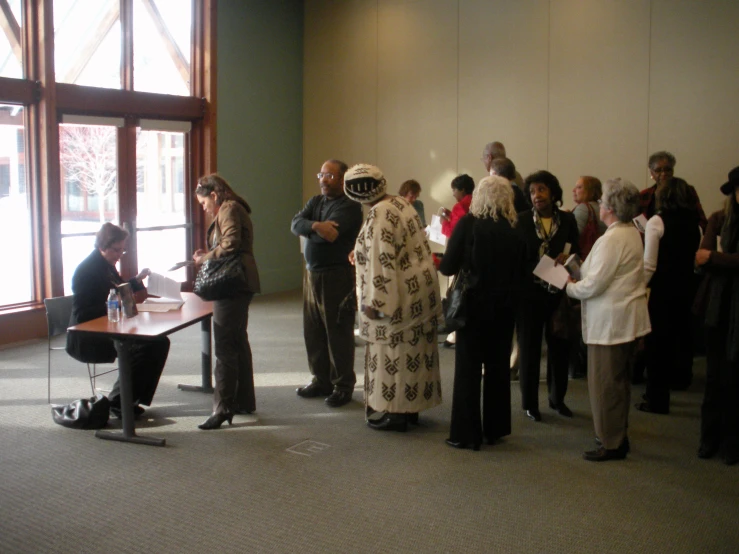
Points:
(230, 232)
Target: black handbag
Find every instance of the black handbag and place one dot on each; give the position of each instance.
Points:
(220, 278)
(455, 305)
(86, 413)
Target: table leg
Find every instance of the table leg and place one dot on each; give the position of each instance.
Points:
(128, 433)
(205, 360)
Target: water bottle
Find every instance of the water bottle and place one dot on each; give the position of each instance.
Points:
(113, 314)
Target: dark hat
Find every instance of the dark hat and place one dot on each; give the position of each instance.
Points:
(728, 187)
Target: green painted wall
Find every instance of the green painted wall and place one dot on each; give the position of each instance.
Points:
(260, 114)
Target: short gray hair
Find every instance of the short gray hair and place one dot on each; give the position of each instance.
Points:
(493, 198)
(621, 197)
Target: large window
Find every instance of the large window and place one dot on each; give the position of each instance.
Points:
(138, 68)
(15, 213)
(11, 56)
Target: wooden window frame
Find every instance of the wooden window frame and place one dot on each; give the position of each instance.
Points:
(45, 100)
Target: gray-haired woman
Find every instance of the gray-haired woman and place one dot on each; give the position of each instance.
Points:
(614, 310)
(497, 259)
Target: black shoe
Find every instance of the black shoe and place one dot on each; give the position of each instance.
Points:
(731, 458)
(603, 454)
(561, 409)
(447, 344)
(706, 451)
(463, 445)
(533, 414)
(648, 408)
(390, 422)
(138, 411)
(314, 390)
(625, 445)
(216, 420)
(339, 398)
(412, 418)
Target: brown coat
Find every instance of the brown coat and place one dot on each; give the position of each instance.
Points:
(231, 232)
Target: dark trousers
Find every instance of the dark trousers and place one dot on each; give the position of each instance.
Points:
(328, 327)
(668, 349)
(234, 372)
(720, 409)
(147, 360)
(531, 322)
(483, 343)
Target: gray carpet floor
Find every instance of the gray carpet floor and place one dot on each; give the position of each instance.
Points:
(298, 476)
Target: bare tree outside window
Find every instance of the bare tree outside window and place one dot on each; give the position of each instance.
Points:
(88, 158)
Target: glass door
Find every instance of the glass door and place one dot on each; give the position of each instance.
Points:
(88, 155)
(161, 204)
(152, 207)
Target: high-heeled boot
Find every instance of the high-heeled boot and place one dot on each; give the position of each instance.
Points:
(216, 420)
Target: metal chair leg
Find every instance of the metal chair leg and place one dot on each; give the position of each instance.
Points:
(92, 379)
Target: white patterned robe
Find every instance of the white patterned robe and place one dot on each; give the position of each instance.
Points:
(396, 276)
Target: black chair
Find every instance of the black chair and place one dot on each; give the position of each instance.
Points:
(58, 312)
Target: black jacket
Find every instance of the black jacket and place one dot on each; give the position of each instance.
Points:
(91, 284)
(497, 258)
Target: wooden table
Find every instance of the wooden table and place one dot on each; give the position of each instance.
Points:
(149, 326)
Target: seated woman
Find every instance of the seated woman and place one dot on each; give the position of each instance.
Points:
(614, 310)
(486, 242)
(91, 283)
(411, 190)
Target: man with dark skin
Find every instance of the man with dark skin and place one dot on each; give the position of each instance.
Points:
(330, 223)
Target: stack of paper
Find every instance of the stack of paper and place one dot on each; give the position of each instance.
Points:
(168, 291)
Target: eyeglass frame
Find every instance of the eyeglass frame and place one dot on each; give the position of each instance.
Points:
(329, 176)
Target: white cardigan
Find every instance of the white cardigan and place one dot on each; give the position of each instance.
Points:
(612, 288)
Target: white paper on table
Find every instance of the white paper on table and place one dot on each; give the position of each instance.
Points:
(553, 274)
(434, 231)
(640, 222)
(168, 291)
(149, 306)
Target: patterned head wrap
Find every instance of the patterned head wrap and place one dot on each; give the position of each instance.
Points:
(364, 183)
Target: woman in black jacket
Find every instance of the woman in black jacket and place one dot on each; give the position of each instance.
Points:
(720, 410)
(91, 284)
(547, 230)
(486, 243)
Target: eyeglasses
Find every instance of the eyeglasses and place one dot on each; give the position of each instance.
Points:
(663, 170)
(327, 175)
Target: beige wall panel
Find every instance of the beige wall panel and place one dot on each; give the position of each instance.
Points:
(503, 82)
(694, 92)
(340, 85)
(417, 96)
(598, 90)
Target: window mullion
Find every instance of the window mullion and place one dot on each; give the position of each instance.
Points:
(127, 44)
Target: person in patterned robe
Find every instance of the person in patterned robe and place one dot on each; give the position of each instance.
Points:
(399, 305)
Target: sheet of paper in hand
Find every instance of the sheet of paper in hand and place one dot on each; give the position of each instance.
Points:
(556, 275)
(168, 291)
(435, 234)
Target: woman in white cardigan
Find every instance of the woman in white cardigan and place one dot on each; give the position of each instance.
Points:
(614, 314)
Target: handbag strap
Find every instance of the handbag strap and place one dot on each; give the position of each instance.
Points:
(469, 243)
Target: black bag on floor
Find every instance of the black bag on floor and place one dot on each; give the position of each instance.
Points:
(86, 413)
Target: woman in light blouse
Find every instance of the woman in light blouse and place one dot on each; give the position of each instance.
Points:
(614, 308)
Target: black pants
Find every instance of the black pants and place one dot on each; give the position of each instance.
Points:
(720, 409)
(234, 372)
(483, 343)
(147, 362)
(531, 322)
(328, 327)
